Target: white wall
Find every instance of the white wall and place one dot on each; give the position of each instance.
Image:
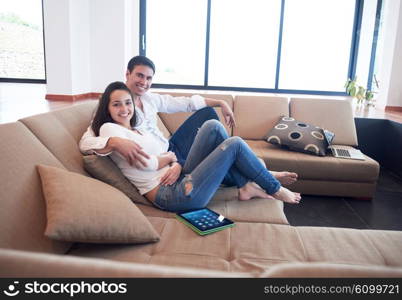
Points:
(390, 63)
(395, 84)
(113, 40)
(88, 43)
(57, 46)
(80, 46)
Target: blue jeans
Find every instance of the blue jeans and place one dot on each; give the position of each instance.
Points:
(208, 161)
(181, 141)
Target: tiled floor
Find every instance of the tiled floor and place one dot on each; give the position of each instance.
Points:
(383, 212)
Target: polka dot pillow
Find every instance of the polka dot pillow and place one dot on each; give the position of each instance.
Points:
(298, 136)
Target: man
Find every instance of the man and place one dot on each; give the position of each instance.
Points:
(139, 75)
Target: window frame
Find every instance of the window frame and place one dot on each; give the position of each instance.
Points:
(357, 22)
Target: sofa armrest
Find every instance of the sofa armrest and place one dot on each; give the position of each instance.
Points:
(18, 264)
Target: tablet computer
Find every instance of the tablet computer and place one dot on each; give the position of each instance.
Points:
(204, 221)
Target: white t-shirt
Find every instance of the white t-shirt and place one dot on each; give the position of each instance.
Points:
(144, 178)
(147, 120)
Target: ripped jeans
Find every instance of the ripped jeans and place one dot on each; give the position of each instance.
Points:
(212, 156)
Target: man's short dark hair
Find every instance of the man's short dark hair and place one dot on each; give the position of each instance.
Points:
(140, 61)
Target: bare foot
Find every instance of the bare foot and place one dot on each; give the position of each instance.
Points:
(284, 177)
(251, 190)
(285, 195)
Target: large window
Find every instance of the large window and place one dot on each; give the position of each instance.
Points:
(300, 46)
(21, 41)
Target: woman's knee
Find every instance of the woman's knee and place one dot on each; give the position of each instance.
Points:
(213, 125)
(234, 141)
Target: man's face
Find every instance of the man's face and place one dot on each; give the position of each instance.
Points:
(139, 80)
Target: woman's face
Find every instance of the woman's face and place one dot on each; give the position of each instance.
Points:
(121, 107)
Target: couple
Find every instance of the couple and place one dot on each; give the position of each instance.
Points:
(185, 172)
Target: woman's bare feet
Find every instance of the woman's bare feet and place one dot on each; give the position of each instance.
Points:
(285, 195)
(284, 177)
(252, 190)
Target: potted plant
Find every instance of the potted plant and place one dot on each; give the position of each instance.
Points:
(360, 93)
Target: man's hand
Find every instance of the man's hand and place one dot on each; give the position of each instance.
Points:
(228, 114)
(130, 150)
(225, 108)
(172, 174)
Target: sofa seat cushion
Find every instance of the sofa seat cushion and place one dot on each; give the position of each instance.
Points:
(226, 203)
(352, 246)
(246, 247)
(256, 247)
(313, 167)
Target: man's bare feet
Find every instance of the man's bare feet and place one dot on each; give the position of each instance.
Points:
(284, 177)
(252, 190)
(285, 195)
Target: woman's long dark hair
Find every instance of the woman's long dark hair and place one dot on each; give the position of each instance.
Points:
(102, 114)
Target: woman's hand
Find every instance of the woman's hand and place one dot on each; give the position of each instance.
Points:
(172, 156)
(172, 174)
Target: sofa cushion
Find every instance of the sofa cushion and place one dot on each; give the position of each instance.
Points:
(298, 136)
(256, 247)
(104, 169)
(331, 114)
(22, 206)
(256, 115)
(61, 130)
(246, 247)
(226, 202)
(316, 167)
(173, 121)
(82, 209)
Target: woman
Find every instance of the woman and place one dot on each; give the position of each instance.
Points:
(212, 156)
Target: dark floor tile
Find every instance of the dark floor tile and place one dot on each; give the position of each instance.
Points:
(323, 211)
(383, 212)
(389, 181)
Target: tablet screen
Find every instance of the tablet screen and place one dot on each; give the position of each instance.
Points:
(205, 219)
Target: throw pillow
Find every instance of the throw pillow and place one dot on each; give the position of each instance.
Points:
(104, 169)
(83, 209)
(298, 136)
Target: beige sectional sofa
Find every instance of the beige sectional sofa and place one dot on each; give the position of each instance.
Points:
(262, 244)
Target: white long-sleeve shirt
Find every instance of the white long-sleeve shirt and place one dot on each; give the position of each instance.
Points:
(147, 120)
(144, 178)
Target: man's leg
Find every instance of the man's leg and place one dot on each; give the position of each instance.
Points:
(182, 140)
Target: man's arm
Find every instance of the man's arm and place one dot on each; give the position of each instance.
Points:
(226, 110)
(169, 104)
(131, 151)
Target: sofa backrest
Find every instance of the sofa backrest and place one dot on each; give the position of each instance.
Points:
(22, 206)
(61, 130)
(256, 115)
(173, 121)
(332, 114)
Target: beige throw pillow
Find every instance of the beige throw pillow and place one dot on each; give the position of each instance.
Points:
(83, 209)
(104, 169)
